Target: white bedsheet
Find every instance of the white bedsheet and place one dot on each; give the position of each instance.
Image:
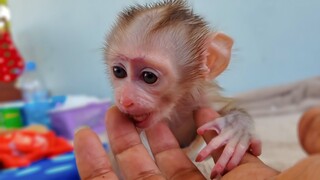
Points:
(279, 136)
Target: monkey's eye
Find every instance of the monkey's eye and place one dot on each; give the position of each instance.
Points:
(119, 72)
(149, 77)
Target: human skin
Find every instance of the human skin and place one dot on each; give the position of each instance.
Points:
(170, 161)
(134, 160)
(309, 130)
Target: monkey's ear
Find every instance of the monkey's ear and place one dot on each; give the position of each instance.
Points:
(219, 53)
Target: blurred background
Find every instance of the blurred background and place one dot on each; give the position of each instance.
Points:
(53, 78)
(275, 41)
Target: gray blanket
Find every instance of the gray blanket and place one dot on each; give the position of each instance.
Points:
(281, 99)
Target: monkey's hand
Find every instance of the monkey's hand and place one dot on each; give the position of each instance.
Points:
(235, 132)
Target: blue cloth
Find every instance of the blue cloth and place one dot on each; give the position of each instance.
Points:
(58, 167)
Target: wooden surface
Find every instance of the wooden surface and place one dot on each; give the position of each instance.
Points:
(8, 92)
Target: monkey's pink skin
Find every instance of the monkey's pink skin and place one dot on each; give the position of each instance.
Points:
(143, 123)
(234, 132)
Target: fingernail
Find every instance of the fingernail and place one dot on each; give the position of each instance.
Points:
(230, 167)
(213, 175)
(199, 132)
(112, 106)
(79, 128)
(216, 176)
(199, 158)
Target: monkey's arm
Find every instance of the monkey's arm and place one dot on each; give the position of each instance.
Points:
(235, 132)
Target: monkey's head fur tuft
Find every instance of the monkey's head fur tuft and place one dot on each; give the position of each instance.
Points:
(188, 33)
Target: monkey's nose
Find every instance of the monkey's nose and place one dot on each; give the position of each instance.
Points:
(126, 102)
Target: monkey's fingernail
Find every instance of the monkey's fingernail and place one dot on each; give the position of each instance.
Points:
(199, 158)
(200, 132)
(213, 174)
(216, 176)
(229, 167)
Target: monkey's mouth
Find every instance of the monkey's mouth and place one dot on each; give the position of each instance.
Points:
(141, 120)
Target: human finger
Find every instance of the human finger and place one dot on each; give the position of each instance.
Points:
(132, 157)
(91, 158)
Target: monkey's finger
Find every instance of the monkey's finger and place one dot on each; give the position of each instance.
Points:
(92, 160)
(239, 152)
(211, 125)
(226, 155)
(215, 143)
(203, 116)
(255, 146)
(133, 159)
(172, 161)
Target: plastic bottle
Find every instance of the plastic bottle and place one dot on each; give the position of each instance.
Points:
(31, 85)
(35, 96)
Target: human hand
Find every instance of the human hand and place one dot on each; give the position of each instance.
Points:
(133, 159)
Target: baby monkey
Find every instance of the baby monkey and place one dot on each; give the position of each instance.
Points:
(162, 59)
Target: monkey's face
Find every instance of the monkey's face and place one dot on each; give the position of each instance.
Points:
(143, 87)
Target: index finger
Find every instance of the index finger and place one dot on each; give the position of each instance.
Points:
(132, 157)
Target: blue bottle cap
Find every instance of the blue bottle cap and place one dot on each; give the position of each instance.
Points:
(30, 66)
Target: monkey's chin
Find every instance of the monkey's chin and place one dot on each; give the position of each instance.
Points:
(142, 121)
